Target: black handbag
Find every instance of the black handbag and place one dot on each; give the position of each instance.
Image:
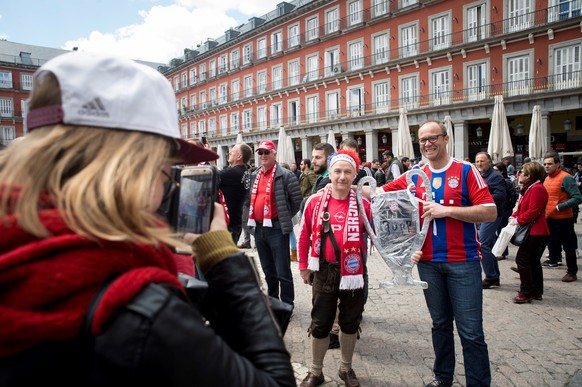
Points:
(521, 234)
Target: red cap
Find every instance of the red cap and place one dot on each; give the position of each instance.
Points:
(266, 145)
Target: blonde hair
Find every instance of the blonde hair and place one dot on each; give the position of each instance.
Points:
(99, 179)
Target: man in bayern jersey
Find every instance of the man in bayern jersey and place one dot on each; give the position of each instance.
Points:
(450, 261)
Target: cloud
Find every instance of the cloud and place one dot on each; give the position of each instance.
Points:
(165, 31)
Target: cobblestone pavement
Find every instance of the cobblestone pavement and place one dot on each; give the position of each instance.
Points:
(537, 344)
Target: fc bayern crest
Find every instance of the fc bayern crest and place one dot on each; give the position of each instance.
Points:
(453, 182)
(317, 245)
(393, 205)
(352, 263)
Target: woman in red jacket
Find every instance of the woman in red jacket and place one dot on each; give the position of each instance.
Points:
(531, 207)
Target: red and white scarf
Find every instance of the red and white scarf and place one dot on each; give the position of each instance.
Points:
(267, 210)
(352, 264)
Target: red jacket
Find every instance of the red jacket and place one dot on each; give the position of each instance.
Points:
(531, 205)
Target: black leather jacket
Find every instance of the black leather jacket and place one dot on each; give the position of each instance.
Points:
(163, 339)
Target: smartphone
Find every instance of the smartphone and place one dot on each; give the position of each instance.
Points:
(198, 192)
(204, 140)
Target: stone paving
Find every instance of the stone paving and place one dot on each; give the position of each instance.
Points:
(537, 344)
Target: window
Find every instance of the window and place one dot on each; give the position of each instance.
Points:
(212, 68)
(567, 67)
(247, 54)
(184, 79)
(333, 105)
(212, 126)
(332, 20)
(234, 124)
(312, 109)
(293, 36)
(193, 101)
(379, 7)
(234, 59)
(6, 79)
(312, 28)
(184, 130)
(518, 75)
(476, 19)
(356, 101)
(276, 42)
(223, 64)
(408, 41)
(330, 61)
(520, 15)
(203, 104)
(381, 48)
(235, 89)
(354, 13)
(248, 83)
(176, 83)
(212, 96)
(440, 87)
(262, 117)
(26, 81)
(262, 48)
(6, 107)
(193, 131)
(563, 9)
(409, 91)
(312, 68)
(440, 27)
(193, 76)
(262, 82)
(184, 104)
(224, 124)
(276, 115)
(203, 71)
(356, 55)
(476, 77)
(293, 112)
(277, 77)
(381, 97)
(202, 127)
(8, 134)
(247, 119)
(407, 3)
(294, 74)
(223, 93)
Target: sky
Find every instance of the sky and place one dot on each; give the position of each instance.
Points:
(148, 30)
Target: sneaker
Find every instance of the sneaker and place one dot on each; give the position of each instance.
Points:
(514, 269)
(537, 297)
(548, 263)
(333, 341)
(569, 278)
(487, 284)
(502, 257)
(439, 383)
(521, 298)
(349, 378)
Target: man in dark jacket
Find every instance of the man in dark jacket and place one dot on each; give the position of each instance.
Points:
(488, 231)
(232, 184)
(275, 198)
(319, 156)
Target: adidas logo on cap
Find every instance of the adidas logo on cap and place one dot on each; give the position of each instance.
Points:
(94, 108)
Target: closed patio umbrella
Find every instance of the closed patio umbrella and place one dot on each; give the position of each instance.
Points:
(538, 145)
(285, 152)
(403, 141)
(451, 145)
(500, 145)
(331, 139)
(239, 138)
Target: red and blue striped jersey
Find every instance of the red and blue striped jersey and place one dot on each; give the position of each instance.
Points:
(460, 184)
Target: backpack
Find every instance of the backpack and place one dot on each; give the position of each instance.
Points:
(511, 194)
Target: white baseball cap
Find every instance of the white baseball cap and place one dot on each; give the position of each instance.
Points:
(107, 91)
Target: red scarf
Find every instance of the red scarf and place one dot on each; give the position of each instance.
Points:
(267, 210)
(47, 284)
(352, 265)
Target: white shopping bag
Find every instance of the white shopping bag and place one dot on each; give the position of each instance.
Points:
(503, 239)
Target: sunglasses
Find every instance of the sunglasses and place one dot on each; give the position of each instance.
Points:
(263, 152)
(169, 187)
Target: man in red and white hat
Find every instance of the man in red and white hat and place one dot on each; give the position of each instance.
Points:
(275, 198)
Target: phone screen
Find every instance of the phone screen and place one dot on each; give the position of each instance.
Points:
(196, 200)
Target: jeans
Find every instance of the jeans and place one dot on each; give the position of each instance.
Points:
(487, 237)
(245, 228)
(273, 249)
(293, 240)
(455, 294)
(562, 234)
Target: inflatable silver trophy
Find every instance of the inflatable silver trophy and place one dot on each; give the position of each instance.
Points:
(397, 227)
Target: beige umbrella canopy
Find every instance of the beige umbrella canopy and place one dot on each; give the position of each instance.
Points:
(285, 152)
(403, 141)
(331, 139)
(500, 145)
(538, 145)
(239, 138)
(451, 145)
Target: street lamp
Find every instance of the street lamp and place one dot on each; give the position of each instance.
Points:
(384, 139)
(567, 125)
(479, 131)
(412, 137)
(360, 141)
(519, 128)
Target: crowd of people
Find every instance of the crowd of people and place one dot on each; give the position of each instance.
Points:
(92, 289)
